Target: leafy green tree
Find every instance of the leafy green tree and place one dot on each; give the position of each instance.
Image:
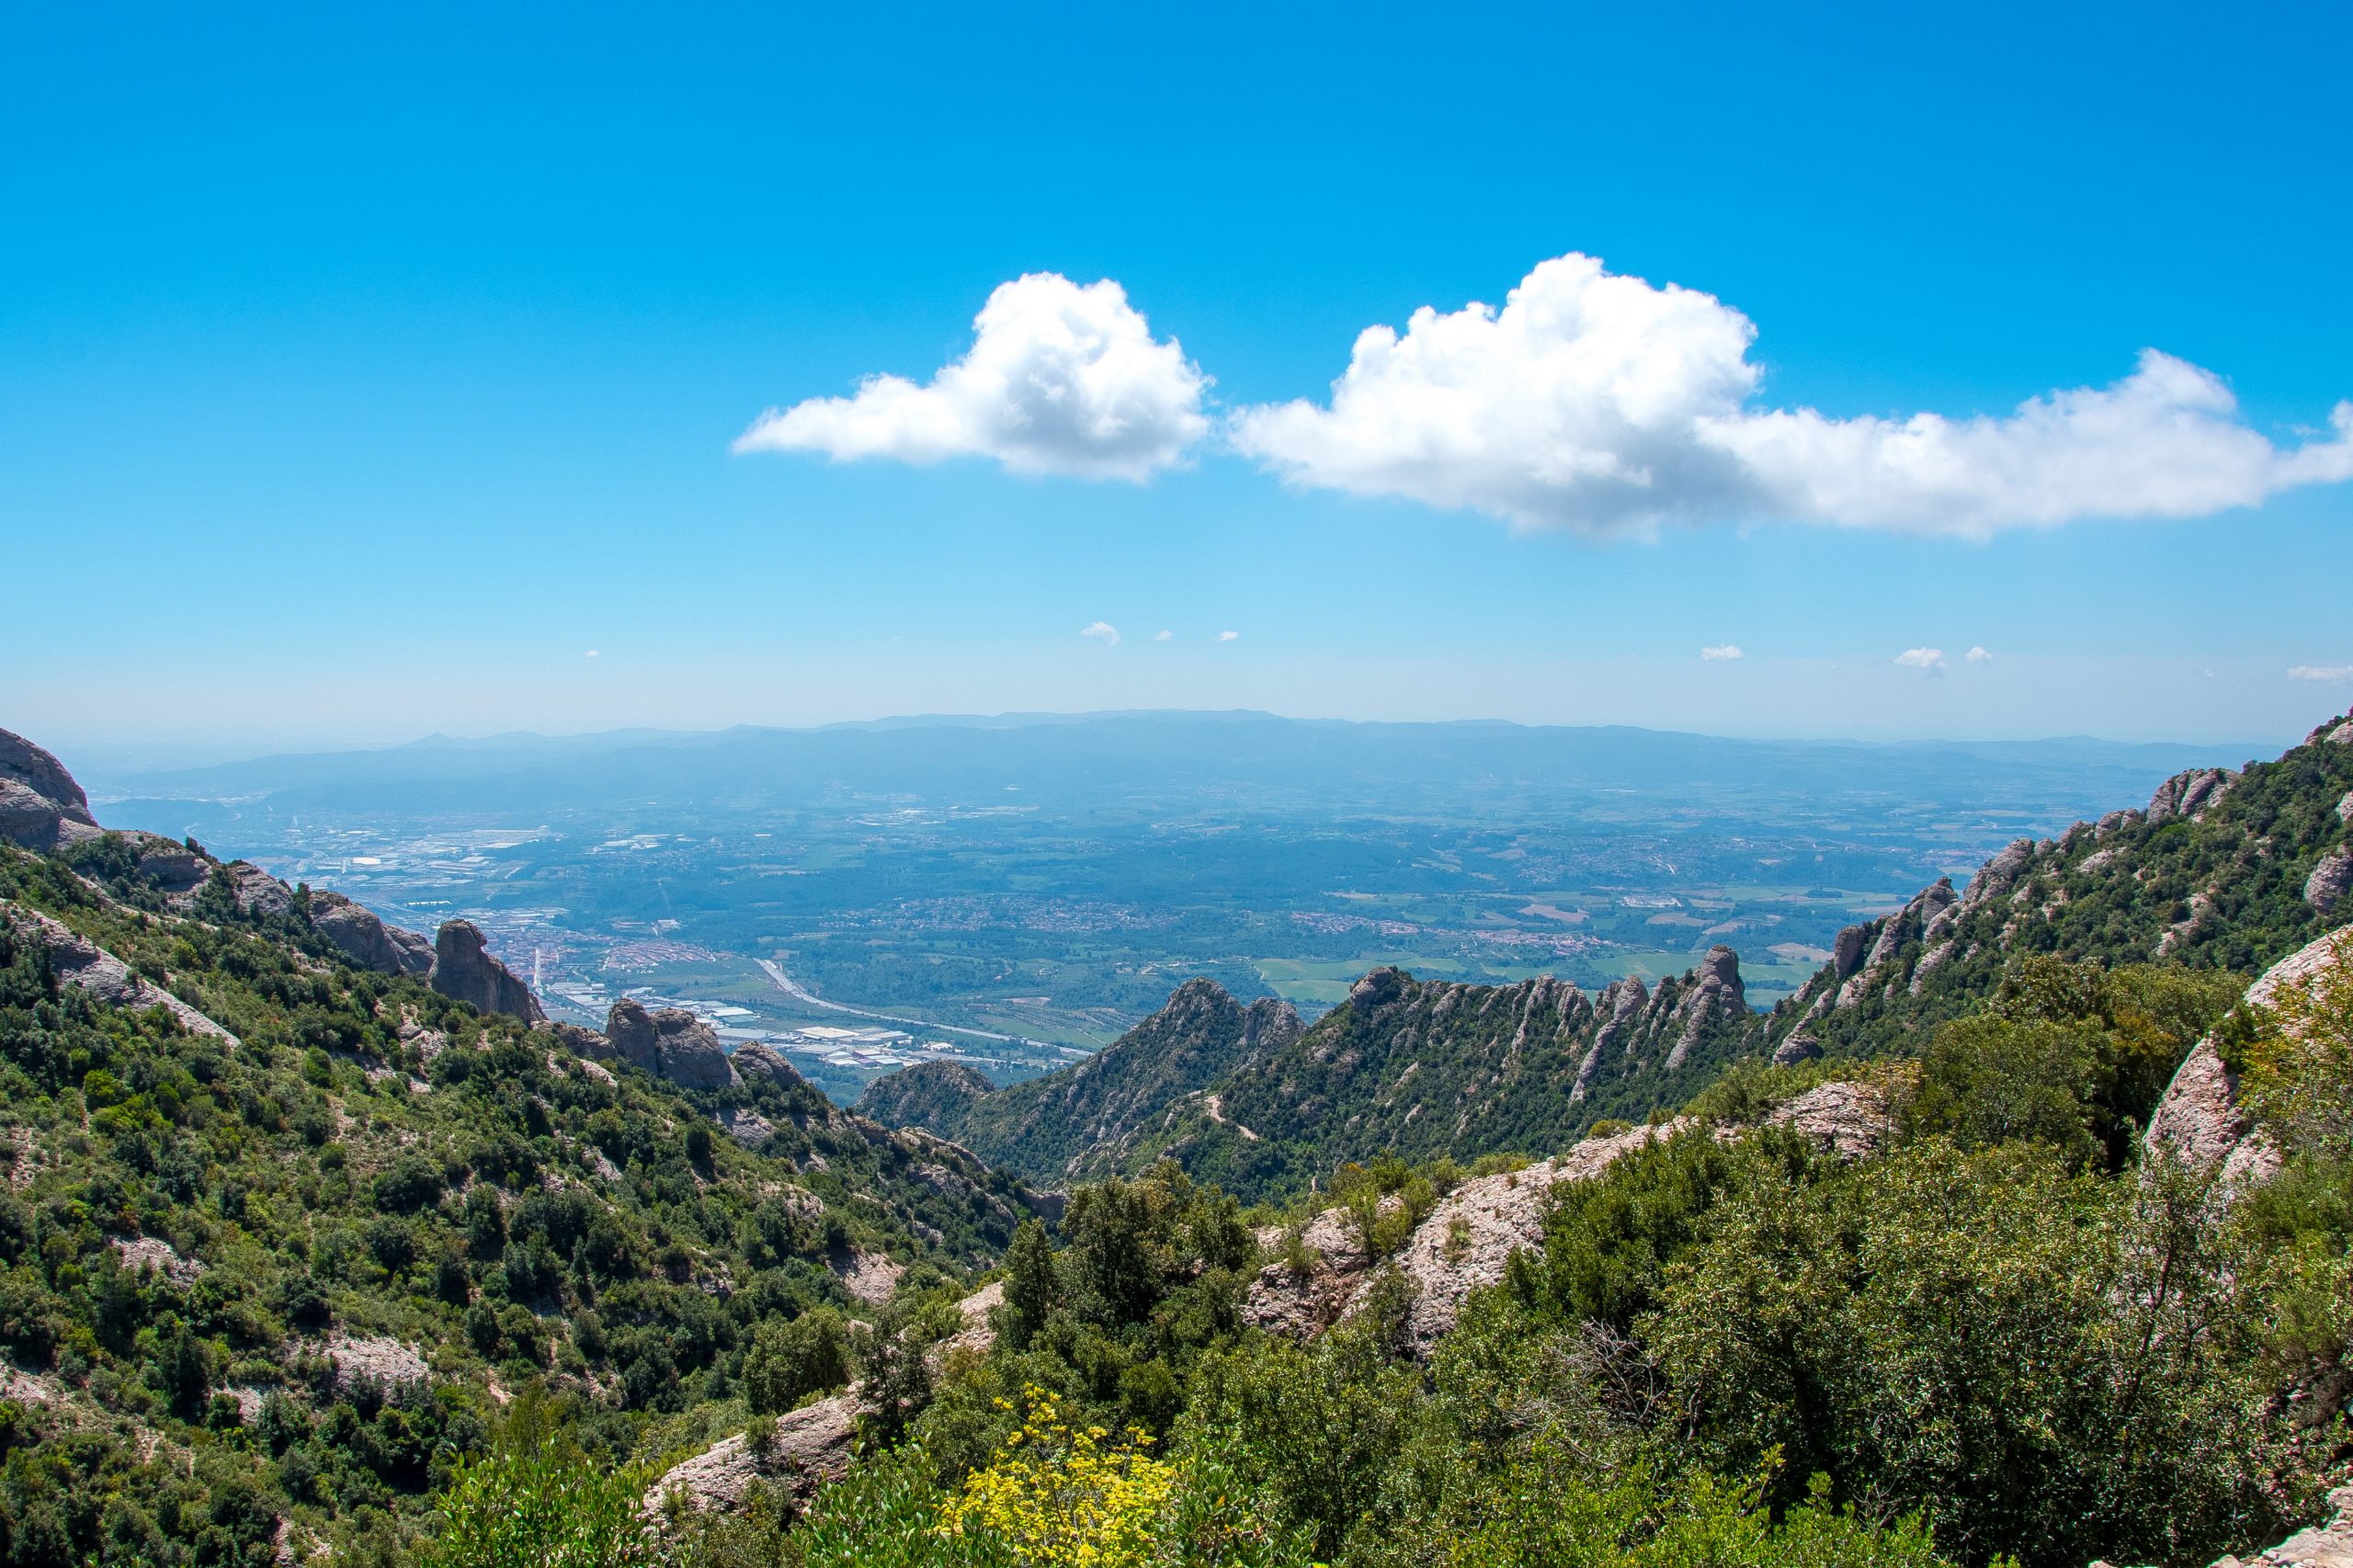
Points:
(544, 1508)
(790, 1360)
(1033, 1287)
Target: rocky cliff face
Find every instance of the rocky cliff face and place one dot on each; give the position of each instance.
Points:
(82, 963)
(464, 971)
(366, 940)
(41, 807)
(675, 1045)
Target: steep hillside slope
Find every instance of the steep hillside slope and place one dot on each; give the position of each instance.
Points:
(2220, 870)
(279, 1232)
(1049, 1128)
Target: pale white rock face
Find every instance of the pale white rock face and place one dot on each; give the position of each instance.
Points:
(2189, 794)
(1851, 1119)
(1467, 1239)
(871, 1277)
(810, 1446)
(746, 1126)
(140, 1254)
(2200, 1121)
(384, 1360)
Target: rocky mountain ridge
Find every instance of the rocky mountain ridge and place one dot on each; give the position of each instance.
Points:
(1246, 1099)
(2221, 869)
(1054, 1128)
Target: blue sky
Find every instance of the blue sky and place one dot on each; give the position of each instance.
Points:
(359, 374)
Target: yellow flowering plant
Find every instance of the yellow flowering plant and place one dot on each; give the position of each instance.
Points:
(1065, 1496)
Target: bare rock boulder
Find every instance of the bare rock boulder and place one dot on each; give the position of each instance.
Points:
(2331, 880)
(2188, 793)
(585, 1043)
(41, 807)
(464, 971)
(672, 1044)
(255, 890)
(803, 1449)
(758, 1062)
(366, 940)
(1850, 1119)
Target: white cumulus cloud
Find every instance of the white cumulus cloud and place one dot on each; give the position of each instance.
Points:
(2334, 674)
(1922, 658)
(1980, 656)
(1600, 402)
(1723, 650)
(1162, 636)
(1102, 631)
(1061, 378)
(1227, 636)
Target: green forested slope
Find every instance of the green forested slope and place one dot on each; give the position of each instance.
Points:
(292, 1275)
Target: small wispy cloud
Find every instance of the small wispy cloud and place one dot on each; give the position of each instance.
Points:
(1922, 658)
(592, 654)
(1102, 631)
(1162, 636)
(1723, 650)
(1227, 636)
(1980, 656)
(2334, 675)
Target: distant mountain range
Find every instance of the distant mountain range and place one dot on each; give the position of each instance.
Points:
(1244, 759)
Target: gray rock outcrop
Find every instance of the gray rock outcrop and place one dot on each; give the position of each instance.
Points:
(803, 1449)
(82, 963)
(40, 805)
(464, 971)
(760, 1062)
(2331, 880)
(255, 890)
(366, 940)
(672, 1044)
(1717, 994)
(582, 1043)
(806, 1448)
(2188, 793)
(1997, 875)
